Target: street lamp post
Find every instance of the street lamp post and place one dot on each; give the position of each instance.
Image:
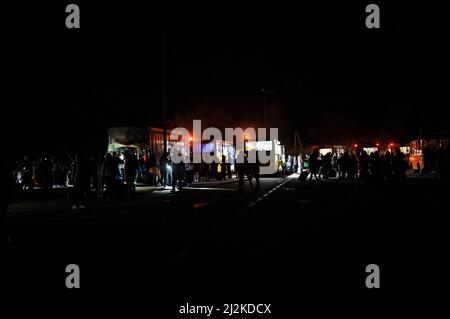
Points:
(163, 78)
(264, 93)
(265, 107)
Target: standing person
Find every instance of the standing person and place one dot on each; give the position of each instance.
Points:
(214, 167)
(229, 167)
(27, 173)
(178, 173)
(387, 166)
(56, 172)
(131, 165)
(39, 172)
(152, 169)
(118, 165)
(48, 172)
(190, 170)
(256, 168)
(93, 167)
(353, 167)
(243, 169)
(326, 165)
(314, 164)
(364, 166)
(204, 171)
(166, 169)
(81, 181)
(295, 164)
(223, 166)
(399, 164)
(340, 165)
(334, 163)
(99, 172)
(142, 169)
(289, 165)
(300, 162)
(345, 165)
(163, 168)
(375, 166)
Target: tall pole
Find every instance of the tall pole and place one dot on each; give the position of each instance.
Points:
(266, 111)
(163, 78)
(265, 108)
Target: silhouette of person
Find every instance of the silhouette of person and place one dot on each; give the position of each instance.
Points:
(364, 166)
(314, 164)
(81, 180)
(131, 165)
(165, 167)
(375, 166)
(178, 173)
(326, 165)
(256, 168)
(99, 172)
(27, 173)
(387, 166)
(353, 167)
(243, 170)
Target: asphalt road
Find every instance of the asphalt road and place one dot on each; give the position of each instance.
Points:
(286, 239)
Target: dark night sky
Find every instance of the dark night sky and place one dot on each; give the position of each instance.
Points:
(322, 61)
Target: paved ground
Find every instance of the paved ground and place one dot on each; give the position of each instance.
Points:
(286, 239)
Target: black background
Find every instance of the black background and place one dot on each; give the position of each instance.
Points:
(64, 87)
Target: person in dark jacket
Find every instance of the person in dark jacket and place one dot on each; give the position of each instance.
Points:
(109, 171)
(178, 175)
(244, 169)
(131, 165)
(314, 164)
(165, 166)
(81, 180)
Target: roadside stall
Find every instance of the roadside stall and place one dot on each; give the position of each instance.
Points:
(277, 154)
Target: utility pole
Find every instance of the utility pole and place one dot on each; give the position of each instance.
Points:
(297, 141)
(264, 93)
(163, 78)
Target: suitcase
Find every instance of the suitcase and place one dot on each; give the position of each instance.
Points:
(303, 176)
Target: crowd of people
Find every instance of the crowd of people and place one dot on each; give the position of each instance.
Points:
(171, 174)
(103, 175)
(352, 166)
(115, 175)
(112, 175)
